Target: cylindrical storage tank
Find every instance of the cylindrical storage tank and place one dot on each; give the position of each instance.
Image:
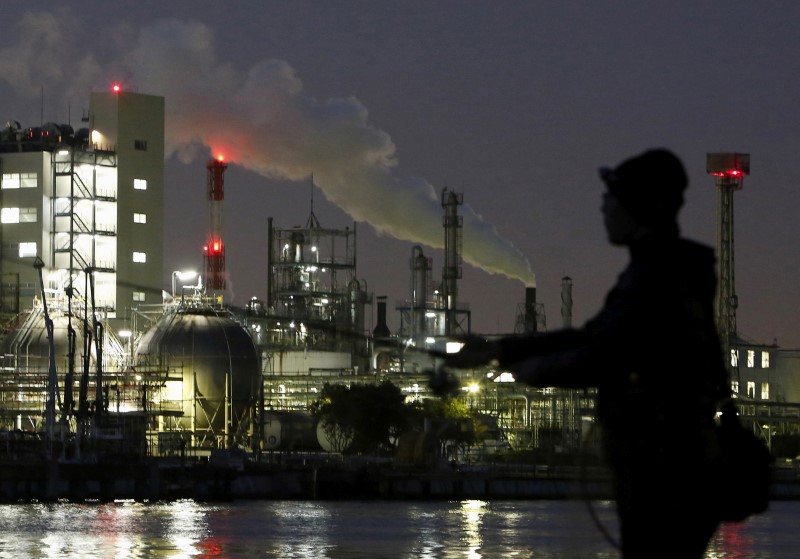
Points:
(358, 300)
(298, 242)
(218, 363)
(290, 430)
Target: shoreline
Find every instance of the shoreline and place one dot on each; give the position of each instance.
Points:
(166, 480)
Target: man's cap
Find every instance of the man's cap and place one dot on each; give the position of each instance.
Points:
(650, 185)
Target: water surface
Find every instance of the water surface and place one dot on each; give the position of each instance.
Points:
(353, 529)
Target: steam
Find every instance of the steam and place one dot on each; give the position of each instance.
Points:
(265, 121)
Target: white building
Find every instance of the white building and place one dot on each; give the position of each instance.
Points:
(86, 199)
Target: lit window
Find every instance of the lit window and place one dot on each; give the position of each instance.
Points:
(20, 180)
(10, 180)
(27, 250)
(735, 386)
(9, 215)
(28, 180)
(139, 218)
(751, 389)
(140, 257)
(140, 184)
(734, 358)
(27, 215)
(765, 391)
(765, 360)
(138, 296)
(751, 358)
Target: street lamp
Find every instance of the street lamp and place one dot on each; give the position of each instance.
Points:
(182, 275)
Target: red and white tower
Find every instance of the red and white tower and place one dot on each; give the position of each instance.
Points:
(214, 249)
(729, 169)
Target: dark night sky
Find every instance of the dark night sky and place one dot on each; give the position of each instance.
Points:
(515, 104)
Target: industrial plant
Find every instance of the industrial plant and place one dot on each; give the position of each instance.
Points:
(99, 359)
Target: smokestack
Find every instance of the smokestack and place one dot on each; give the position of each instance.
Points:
(265, 121)
(566, 301)
(270, 301)
(530, 310)
(382, 329)
(214, 250)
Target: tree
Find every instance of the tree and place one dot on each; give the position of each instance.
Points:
(336, 415)
(362, 417)
(451, 422)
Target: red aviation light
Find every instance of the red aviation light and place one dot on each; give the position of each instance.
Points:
(728, 165)
(213, 248)
(729, 173)
(116, 88)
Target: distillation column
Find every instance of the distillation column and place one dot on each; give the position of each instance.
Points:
(420, 266)
(452, 258)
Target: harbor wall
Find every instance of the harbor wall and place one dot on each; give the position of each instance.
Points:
(154, 480)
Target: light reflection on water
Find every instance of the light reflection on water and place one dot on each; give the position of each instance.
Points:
(472, 512)
(471, 529)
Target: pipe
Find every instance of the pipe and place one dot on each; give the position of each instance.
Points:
(270, 241)
(227, 442)
(194, 408)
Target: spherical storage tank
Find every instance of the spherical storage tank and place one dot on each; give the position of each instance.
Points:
(29, 345)
(25, 351)
(212, 349)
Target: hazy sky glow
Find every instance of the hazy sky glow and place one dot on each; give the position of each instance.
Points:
(514, 104)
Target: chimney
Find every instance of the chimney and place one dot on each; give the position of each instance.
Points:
(530, 310)
(381, 330)
(566, 301)
(214, 249)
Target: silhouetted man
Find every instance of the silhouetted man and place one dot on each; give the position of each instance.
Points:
(654, 355)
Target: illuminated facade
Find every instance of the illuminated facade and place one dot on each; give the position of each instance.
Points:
(91, 199)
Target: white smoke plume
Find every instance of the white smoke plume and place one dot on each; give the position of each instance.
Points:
(263, 120)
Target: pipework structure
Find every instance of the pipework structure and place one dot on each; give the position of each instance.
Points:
(313, 292)
(729, 170)
(312, 328)
(214, 249)
(437, 312)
